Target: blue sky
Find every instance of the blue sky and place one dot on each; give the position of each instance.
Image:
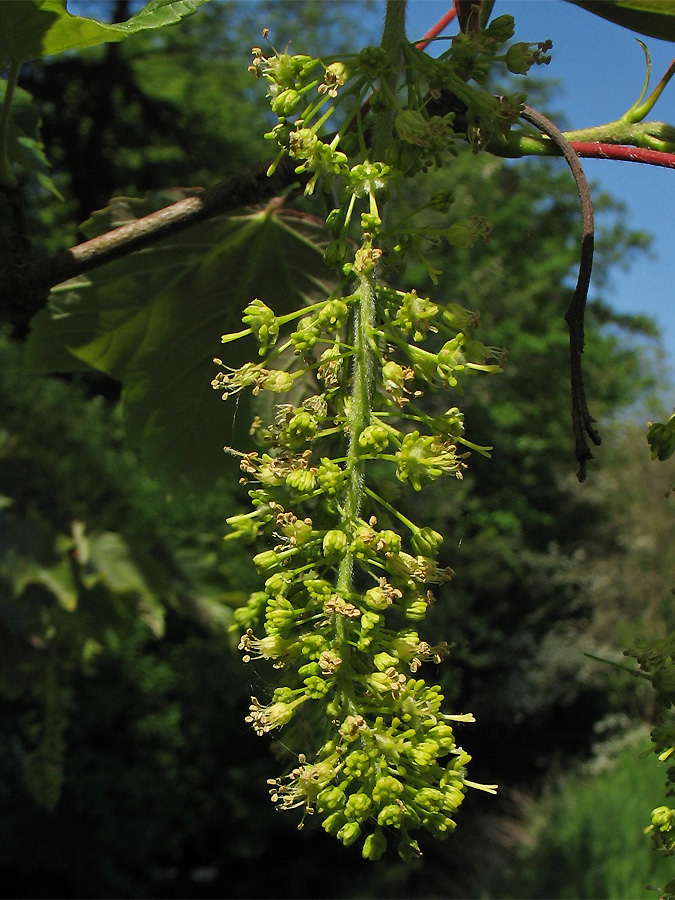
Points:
(601, 71)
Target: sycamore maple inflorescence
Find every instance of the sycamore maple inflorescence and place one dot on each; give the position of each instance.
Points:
(337, 614)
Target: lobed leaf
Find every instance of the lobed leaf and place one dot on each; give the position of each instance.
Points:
(30, 29)
(154, 321)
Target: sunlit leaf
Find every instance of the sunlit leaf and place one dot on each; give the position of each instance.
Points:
(655, 18)
(33, 28)
(154, 321)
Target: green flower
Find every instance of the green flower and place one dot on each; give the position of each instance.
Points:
(519, 57)
(266, 718)
(416, 314)
(277, 380)
(422, 460)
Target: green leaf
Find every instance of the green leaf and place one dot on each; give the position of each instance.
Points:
(111, 564)
(154, 320)
(33, 28)
(24, 146)
(655, 18)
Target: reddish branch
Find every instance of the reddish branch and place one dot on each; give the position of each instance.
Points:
(592, 150)
(442, 23)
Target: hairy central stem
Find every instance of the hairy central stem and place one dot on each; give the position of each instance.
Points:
(359, 409)
(358, 415)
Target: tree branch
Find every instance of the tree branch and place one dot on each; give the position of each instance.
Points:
(593, 150)
(24, 291)
(581, 418)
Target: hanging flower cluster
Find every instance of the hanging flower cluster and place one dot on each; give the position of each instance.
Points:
(342, 593)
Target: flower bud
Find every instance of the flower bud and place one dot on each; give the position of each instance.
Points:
(305, 335)
(386, 789)
(501, 29)
(441, 201)
(332, 316)
(663, 818)
(267, 561)
(426, 542)
(390, 815)
(384, 660)
(316, 686)
(301, 480)
(277, 585)
(309, 669)
(330, 799)
(349, 833)
(285, 103)
(263, 323)
(374, 439)
(244, 527)
(412, 127)
(369, 620)
(330, 476)
(374, 845)
(358, 807)
(301, 429)
(334, 822)
(371, 223)
(416, 609)
(334, 544)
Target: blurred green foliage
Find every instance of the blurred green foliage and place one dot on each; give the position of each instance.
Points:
(585, 839)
